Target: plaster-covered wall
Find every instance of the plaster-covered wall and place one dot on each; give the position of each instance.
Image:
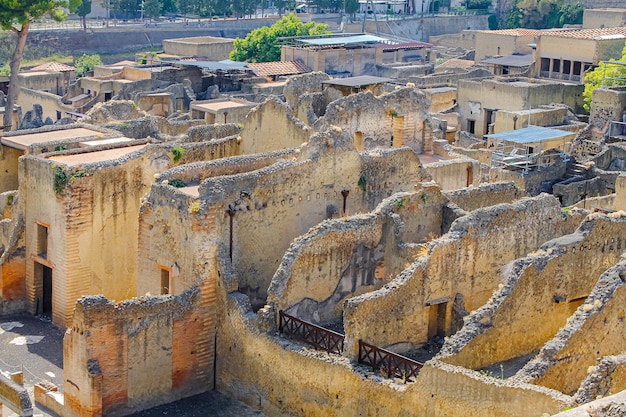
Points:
(341, 258)
(270, 127)
(211, 48)
(594, 331)
(472, 198)
(463, 264)
(550, 284)
(475, 97)
(8, 165)
(395, 119)
(12, 260)
(292, 380)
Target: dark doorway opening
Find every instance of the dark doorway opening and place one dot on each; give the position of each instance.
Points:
(437, 318)
(43, 275)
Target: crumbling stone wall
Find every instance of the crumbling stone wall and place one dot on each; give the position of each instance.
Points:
(533, 182)
(124, 357)
(9, 162)
(567, 268)
(295, 380)
(271, 126)
(613, 158)
(12, 260)
(607, 105)
(449, 79)
(50, 103)
(465, 261)
(116, 110)
(593, 331)
(606, 378)
(269, 212)
(188, 256)
(299, 85)
(312, 106)
(391, 120)
(620, 193)
(485, 195)
(455, 173)
(341, 258)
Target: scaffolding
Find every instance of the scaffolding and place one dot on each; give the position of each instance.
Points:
(529, 149)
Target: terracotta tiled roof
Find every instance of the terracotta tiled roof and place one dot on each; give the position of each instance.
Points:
(279, 68)
(456, 63)
(587, 33)
(53, 67)
(514, 32)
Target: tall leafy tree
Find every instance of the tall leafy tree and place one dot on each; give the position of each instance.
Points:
(351, 7)
(545, 14)
(605, 74)
(152, 8)
(83, 10)
(17, 16)
(261, 45)
(86, 63)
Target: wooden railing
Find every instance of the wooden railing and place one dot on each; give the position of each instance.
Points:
(319, 337)
(392, 364)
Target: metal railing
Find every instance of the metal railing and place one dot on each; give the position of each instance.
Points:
(392, 364)
(319, 337)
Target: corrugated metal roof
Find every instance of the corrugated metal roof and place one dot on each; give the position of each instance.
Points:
(357, 82)
(406, 45)
(515, 60)
(213, 65)
(531, 134)
(279, 68)
(342, 40)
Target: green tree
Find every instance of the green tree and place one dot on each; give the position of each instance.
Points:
(152, 8)
(261, 45)
(17, 16)
(83, 10)
(572, 13)
(86, 63)
(477, 4)
(605, 74)
(544, 14)
(351, 7)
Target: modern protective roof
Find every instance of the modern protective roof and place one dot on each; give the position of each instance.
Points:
(226, 65)
(357, 82)
(342, 40)
(531, 134)
(515, 60)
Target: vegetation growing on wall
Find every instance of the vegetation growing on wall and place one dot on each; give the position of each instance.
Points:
(605, 74)
(177, 154)
(178, 183)
(261, 45)
(362, 184)
(60, 180)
